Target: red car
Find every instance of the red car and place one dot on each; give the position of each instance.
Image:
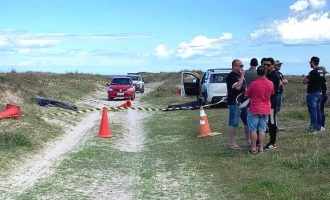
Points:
(121, 87)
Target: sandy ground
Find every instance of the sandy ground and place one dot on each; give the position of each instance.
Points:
(35, 168)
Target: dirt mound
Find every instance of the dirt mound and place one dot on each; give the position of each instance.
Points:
(8, 94)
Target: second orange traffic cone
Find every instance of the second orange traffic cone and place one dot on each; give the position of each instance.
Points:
(127, 104)
(204, 127)
(104, 131)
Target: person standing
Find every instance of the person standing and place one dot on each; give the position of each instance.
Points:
(251, 73)
(324, 99)
(273, 76)
(259, 92)
(315, 80)
(283, 81)
(236, 85)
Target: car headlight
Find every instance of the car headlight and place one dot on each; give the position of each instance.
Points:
(110, 89)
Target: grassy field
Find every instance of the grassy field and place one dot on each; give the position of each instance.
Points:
(176, 164)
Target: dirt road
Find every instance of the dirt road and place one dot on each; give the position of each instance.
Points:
(34, 168)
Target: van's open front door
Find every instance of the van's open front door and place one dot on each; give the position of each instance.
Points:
(190, 83)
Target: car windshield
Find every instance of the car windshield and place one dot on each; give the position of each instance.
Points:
(121, 81)
(218, 78)
(134, 78)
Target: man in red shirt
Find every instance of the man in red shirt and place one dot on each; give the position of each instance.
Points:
(259, 92)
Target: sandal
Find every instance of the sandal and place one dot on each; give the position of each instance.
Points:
(253, 152)
(235, 147)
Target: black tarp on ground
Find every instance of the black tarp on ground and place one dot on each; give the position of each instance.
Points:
(41, 101)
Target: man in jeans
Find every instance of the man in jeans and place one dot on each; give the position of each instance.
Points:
(235, 86)
(283, 81)
(315, 80)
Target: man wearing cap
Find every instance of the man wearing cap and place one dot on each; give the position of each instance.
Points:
(251, 73)
(283, 81)
(235, 86)
(315, 81)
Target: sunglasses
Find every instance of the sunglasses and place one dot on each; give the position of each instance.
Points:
(241, 66)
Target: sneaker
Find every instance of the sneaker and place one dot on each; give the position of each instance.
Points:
(322, 129)
(311, 130)
(270, 147)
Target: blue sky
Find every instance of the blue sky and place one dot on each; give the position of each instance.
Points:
(120, 36)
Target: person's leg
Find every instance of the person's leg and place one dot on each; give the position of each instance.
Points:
(318, 108)
(261, 141)
(324, 100)
(252, 122)
(262, 125)
(244, 115)
(272, 128)
(233, 124)
(322, 114)
(312, 110)
(278, 99)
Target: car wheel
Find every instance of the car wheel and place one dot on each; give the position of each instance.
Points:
(142, 90)
(110, 98)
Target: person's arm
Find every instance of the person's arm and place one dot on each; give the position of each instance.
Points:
(306, 80)
(284, 81)
(238, 85)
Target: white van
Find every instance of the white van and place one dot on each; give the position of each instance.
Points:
(211, 88)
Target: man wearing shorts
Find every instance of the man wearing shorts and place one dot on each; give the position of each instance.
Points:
(259, 92)
(235, 86)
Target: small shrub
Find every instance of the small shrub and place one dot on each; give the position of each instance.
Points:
(17, 139)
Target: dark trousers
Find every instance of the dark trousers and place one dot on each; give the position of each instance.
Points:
(272, 127)
(324, 100)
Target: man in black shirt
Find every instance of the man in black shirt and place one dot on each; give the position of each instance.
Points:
(283, 81)
(315, 80)
(324, 99)
(235, 86)
(273, 76)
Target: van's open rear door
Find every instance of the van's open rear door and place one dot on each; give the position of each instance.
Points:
(190, 82)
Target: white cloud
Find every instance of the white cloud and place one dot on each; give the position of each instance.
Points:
(260, 32)
(201, 45)
(305, 26)
(299, 5)
(316, 27)
(317, 4)
(36, 42)
(3, 41)
(304, 4)
(161, 51)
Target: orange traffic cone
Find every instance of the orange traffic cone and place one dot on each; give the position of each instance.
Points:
(204, 128)
(177, 91)
(10, 111)
(128, 104)
(104, 127)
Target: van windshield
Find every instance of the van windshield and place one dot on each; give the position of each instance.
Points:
(218, 78)
(134, 78)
